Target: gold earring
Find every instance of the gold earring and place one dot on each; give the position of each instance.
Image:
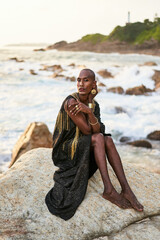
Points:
(93, 91)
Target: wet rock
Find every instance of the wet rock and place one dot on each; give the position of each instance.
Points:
(156, 79)
(39, 50)
(52, 68)
(100, 84)
(35, 135)
(118, 90)
(72, 79)
(120, 110)
(149, 64)
(140, 90)
(32, 72)
(140, 143)
(21, 69)
(16, 59)
(56, 75)
(154, 135)
(24, 214)
(72, 65)
(125, 139)
(105, 74)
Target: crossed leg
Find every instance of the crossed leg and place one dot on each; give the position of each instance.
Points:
(102, 146)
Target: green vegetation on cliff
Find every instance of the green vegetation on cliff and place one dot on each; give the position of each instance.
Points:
(135, 33)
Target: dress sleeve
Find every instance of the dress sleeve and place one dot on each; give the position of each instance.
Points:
(97, 115)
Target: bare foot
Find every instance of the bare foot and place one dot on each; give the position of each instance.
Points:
(133, 200)
(117, 199)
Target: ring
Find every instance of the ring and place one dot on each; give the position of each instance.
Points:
(77, 107)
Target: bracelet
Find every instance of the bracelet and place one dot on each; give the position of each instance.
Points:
(93, 123)
(90, 105)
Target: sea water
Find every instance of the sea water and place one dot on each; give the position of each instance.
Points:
(26, 98)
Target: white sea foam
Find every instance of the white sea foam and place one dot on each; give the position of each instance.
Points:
(26, 98)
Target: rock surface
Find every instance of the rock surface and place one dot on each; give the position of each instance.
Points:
(156, 78)
(36, 135)
(105, 74)
(139, 90)
(24, 215)
(141, 143)
(118, 90)
(154, 135)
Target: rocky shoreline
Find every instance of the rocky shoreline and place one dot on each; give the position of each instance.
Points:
(151, 47)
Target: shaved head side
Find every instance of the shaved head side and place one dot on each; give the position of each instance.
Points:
(91, 73)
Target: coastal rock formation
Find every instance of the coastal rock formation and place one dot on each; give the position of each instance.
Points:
(120, 110)
(52, 68)
(24, 214)
(105, 74)
(140, 143)
(140, 90)
(16, 59)
(57, 45)
(32, 72)
(154, 135)
(156, 78)
(124, 139)
(100, 84)
(36, 135)
(150, 64)
(118, 90)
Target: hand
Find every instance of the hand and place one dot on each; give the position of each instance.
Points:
(77, 107)
(91, 96)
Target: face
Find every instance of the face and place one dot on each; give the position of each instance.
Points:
(85, 83)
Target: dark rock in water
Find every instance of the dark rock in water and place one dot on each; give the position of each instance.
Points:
(156, 79)
(105, 74)
(39, 50)
(125, 139)
(140, 90)
(21, 69)
(140, 143)
(100, 84)
(16, 59)
(56, 75)
(154, 135)
(118, 90)
(149, 64)
(32, 72)
(72, 79)
(72, 65)
(120, 110)
(57, 45)
(52, 68)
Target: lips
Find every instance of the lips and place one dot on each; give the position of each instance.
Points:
(81, 89)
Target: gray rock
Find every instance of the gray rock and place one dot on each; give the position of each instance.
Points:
(24, 215)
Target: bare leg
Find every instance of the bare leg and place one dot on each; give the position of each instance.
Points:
(115, 162)
(98, 143)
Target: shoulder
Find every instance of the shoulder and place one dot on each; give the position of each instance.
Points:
(68, 101)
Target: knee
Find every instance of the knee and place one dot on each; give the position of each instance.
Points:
(97, 138)
(109, 142)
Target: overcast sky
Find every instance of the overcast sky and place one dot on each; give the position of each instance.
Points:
(49, 21)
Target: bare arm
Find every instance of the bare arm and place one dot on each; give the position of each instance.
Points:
(81, 116)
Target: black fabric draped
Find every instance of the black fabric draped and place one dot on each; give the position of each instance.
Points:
(72, 154)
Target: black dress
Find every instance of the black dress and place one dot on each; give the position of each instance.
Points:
(72, 154)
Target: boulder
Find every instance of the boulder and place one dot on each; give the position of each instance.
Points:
(120, 110)
(16, 59)
(100, 84)
(154, 135)
(72, 65)
(57, 45)
(105, 74)
(35, 135)
(149, 64)
(56, 75)
(39, 50)
(140, 90)
(140, 143)
(32, 72)
(125, 139)
(72, 79)
(156, 79)
(24, 214)
(118, 90)
(52, 68)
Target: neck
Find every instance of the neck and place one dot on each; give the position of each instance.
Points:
(83, 98)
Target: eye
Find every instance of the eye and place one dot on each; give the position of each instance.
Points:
(86, 80)
(78, 80)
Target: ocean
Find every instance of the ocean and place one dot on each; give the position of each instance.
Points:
(26, 98)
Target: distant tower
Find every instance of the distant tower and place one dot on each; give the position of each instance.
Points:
(128, 17)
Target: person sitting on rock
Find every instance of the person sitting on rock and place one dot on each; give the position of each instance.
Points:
(80, 146)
